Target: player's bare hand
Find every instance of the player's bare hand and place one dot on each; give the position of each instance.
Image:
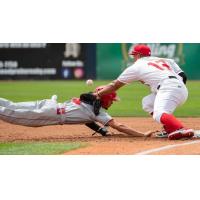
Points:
(149, 133)
(96, 95)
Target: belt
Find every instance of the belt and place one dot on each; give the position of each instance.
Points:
(172, 77)
(168, 77)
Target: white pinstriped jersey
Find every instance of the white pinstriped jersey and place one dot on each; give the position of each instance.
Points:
(151, 71)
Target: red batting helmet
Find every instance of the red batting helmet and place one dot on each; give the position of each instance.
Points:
(107, 97)
(141, 49)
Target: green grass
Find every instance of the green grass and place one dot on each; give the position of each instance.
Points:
(131, 95)
(38, 148)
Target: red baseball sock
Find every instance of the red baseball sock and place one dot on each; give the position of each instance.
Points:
(170, 123)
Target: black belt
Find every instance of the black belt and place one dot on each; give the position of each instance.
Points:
(168, 77)
(172, 77)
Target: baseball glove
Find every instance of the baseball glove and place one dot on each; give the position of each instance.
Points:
(91, 99)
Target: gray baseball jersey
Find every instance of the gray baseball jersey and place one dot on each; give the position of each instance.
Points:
(49, 112)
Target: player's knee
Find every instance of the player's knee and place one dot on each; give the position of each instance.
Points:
(157, 115)
(146, 105)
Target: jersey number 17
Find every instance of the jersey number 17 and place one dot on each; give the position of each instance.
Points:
(160, 64)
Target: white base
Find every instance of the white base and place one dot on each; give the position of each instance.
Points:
(197, 133)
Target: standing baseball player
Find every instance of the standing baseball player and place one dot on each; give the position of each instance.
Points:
(84, 110)
(166, 81)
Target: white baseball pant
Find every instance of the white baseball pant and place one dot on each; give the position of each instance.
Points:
(171, 94)
(35, 113)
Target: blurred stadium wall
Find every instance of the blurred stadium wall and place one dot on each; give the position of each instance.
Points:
(86, 60)
(112, 59)
(47, 61)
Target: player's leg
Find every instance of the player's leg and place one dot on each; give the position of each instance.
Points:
(20, 105)
(167, 100)
(148, 103)
(148, 106)
(44, 114)
(30, 105)
(5, 102)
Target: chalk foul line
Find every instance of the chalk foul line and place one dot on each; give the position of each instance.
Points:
(166, 147)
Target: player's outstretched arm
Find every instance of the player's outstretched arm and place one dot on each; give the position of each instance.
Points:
(95, 127)
(129, 131)
(111, 87)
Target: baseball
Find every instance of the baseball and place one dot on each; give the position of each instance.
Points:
(89, 82)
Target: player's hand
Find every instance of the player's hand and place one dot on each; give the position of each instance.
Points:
(149, 133)
(96, 95)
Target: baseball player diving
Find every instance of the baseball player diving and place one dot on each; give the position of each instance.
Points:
(84, 110)
(167, 83)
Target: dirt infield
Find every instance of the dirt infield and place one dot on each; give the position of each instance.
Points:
(115, 144)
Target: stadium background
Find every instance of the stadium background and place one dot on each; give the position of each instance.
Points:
(83, 61)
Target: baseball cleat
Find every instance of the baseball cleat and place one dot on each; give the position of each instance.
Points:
(182, 133)
(54, 97)
(197, 134)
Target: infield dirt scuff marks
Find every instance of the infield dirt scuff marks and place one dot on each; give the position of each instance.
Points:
(117, 144)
